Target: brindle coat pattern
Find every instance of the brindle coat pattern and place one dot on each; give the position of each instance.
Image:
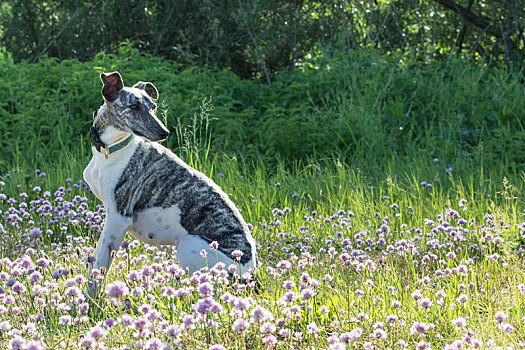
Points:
(160, 179)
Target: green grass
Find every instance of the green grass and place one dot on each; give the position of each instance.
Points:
(352, 296)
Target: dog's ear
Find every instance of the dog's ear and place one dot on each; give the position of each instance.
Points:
(150, 89)
(112, 85)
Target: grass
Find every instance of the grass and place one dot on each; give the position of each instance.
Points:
(342, 256)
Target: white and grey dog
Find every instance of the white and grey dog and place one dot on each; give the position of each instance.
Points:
(150, 192)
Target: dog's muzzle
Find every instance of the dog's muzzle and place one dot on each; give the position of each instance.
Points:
(95, 139)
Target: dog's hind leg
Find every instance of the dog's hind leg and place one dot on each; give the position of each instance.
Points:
(189, 254)
(114, 231)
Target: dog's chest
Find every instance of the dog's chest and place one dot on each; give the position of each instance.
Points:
(101, 174)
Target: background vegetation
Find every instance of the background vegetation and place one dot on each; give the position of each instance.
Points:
(260, 38)
(366, 109)
(369, 82)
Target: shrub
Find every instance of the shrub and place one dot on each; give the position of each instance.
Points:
(361, 106)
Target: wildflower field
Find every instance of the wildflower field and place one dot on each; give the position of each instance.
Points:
(343, 265)
(407, 239)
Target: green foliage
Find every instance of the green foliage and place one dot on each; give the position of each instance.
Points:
(224, 34)
(361, 106)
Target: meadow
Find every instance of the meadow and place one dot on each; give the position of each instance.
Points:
(370, 236)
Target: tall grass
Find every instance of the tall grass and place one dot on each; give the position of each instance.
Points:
(365, 108)
(346, 260)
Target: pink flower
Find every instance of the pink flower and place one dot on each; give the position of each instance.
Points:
(72, 291)
(17, 343)
(35, 277)
(237, 254)
(307, 293)
(205, 305)
(500, 316)
(426, 303)
(173, 331)
(243, 303)
(312, 328)
(154, 344)
(214, 245)
(18, 288)
(34, 345)
(419, 327)
(260, 314)
(391, 318)
(338, 346)
(66, 319)
(217, 347)
(268, 327)
(459, 322)
(463, 298)
(205, 289)
(188, 322)
(240, 325)
(270, 340)
(422, 345)
(97, 333)
(379, 334)
(353, 335)
(117, 290)
(507, 328)
(416, 295)
(5, 326)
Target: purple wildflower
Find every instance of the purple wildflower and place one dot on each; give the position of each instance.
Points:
(500, 316)
(240, 325)
(459, 322)
(117, 290)
(217, 347)
(260, 314)
(353, 335)
(419, 328)
(426, 303)
(237, 254)
(416, 295)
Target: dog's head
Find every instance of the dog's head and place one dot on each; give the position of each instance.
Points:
(132, 109)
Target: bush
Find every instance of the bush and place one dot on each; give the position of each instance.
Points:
(359, 105)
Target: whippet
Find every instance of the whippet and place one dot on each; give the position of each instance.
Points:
(151, 193)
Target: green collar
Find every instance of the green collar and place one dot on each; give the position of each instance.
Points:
(117, 146)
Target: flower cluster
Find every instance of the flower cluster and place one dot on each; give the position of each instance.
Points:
(339, 280)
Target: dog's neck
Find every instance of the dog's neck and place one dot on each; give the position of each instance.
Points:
(111, 135)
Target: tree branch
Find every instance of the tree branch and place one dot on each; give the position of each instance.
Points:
(37, 57)
(471, 17)
(254, 43)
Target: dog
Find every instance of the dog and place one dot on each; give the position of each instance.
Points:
(151, 193)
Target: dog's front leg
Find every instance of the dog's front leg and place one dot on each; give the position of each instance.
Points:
(112, 235)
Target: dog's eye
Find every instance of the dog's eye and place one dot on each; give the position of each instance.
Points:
(134, 106)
